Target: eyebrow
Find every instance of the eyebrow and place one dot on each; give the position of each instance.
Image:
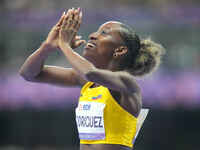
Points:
(107, 28)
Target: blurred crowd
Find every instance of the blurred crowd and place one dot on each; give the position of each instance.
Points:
(174, 88)
(19, 5)
(25, 24)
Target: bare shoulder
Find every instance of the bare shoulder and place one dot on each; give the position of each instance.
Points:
(132, 103)
(115, 80)
(130, 82)
(131, 99)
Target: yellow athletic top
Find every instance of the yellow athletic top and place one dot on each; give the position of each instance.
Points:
(101, 120)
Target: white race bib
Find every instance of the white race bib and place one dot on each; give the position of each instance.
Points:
(90, 121)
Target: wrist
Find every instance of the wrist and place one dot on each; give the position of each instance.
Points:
(64, 46)
(45, 49)
(46, 45)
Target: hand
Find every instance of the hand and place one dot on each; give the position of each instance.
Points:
(69, 28)
(52, 38)
(77, 41)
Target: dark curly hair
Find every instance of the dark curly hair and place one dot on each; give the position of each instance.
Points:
(143, 56)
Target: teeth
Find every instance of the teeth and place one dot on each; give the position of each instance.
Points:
(90, 45)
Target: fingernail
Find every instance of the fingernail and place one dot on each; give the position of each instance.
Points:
(81, 14)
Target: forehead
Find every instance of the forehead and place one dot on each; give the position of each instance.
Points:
(114, 28)
(112, 25)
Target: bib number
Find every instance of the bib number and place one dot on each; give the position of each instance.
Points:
(90, 121)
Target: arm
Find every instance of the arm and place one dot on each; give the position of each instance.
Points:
(34, 69)
(119, 81)
(34, 63)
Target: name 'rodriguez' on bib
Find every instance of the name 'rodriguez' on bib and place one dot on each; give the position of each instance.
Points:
(90, 121)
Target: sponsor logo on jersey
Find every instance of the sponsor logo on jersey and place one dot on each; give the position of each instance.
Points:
(97, 97)
(84, 107)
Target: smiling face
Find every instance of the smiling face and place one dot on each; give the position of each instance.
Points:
(102, 43)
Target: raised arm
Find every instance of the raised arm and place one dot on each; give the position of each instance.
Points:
(119, 81)
(34, 69)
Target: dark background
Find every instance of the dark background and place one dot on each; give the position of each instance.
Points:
(41, 117)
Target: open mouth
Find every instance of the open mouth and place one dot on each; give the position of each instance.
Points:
(90, 45)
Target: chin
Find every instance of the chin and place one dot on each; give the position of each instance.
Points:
(91, 58)
(87, 56)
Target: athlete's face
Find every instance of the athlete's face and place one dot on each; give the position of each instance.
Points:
(102, 43)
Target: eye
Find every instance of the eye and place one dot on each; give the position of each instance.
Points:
(103, 32)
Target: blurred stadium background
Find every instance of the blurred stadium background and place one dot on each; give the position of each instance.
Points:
(41, 117)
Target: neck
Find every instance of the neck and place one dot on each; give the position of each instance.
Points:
(114, 66)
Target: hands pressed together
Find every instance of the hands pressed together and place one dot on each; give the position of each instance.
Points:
(65, 31)
(63, 36)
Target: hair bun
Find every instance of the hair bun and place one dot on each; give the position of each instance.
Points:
(149, 57)
(150, 46)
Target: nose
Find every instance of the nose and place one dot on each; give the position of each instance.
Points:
(93, 36)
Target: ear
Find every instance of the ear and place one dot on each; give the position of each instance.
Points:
(120, 51)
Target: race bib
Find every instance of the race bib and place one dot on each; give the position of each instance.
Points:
(90, 121)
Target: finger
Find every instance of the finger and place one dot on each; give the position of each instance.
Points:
(61, 19)
(73, 11)
(57, 28)
(76, 19)
(78, 37)
(65, 18)
(69, 21)
(79, 21)
(81, 14)
(79, 43)
(79, 9)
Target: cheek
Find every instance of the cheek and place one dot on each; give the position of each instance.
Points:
(106, 48)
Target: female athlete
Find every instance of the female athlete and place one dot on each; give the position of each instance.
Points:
(110, 100)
